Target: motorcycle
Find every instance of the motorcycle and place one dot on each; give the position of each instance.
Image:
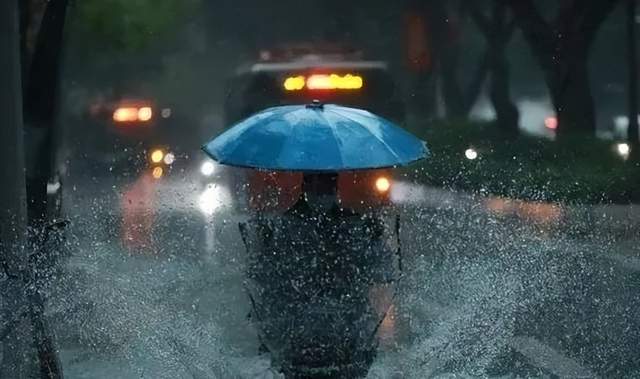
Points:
(318, 256)
(314, 274)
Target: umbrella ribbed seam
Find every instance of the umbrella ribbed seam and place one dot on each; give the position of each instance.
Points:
(370, 116)
(335, 137)
(293, 128)
(266, 120)
(377, 138)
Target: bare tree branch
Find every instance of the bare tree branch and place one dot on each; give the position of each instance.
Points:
(510, 27)
(569, 15)
(479, 19)
(595, 14)
(527, 15)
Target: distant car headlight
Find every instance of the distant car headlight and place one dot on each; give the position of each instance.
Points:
(169, 158)
(157, 156)
(207, 168)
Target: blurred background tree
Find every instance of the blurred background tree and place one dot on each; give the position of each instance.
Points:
(632, 86)
(497, 29)
(129, 25)
(562, 46)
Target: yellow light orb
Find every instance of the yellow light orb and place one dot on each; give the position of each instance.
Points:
(156, 156)
(383, 184)
(294, 83)
(157, 172)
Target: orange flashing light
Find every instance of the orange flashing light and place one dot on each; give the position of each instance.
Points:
(157, 172)
(324, 82)
(294, 83)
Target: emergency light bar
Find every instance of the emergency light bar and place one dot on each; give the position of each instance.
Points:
(323, 82)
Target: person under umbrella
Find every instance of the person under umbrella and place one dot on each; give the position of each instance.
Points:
(310, 271)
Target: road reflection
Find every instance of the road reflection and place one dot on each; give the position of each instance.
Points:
(137, 206)
(537, 212)
(382, 301)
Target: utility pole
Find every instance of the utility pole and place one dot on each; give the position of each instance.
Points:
(27, 343)
(18, 359)
(39, 113)
(632, 47)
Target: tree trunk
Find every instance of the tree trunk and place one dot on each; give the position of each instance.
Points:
(451, 92)
(507, 115)
(568, 80)
(39, 111)
(562, 50)
(632, 130)
(476, 85)
(18, 358)
(497, 31)
(445, 42)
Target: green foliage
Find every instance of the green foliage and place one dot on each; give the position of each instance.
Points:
(128, 25)
(580, 170)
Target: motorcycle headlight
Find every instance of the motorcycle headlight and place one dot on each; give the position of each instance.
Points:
(383, 184)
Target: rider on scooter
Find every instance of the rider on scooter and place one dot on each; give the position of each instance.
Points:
(344, 256)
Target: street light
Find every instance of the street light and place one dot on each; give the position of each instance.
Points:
(471, 153)
(623, 149)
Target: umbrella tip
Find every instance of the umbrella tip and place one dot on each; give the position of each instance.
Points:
(315, 104)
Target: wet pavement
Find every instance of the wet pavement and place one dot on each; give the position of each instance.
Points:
(491, 287)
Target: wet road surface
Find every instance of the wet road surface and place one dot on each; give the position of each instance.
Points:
(153, 287)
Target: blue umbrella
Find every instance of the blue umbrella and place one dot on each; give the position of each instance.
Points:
(315, 137)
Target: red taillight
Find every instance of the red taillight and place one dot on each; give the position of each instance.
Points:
(294, 83)
(551, 123)
(125, 114)
(132, 114)
(319, 82)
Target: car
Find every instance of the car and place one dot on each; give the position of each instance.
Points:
(301, 74)
(130, 134)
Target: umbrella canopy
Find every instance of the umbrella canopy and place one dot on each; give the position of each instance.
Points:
(315, 137)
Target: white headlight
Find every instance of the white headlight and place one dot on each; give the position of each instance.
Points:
(471, 154)
(208, 168)
(169, 158)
